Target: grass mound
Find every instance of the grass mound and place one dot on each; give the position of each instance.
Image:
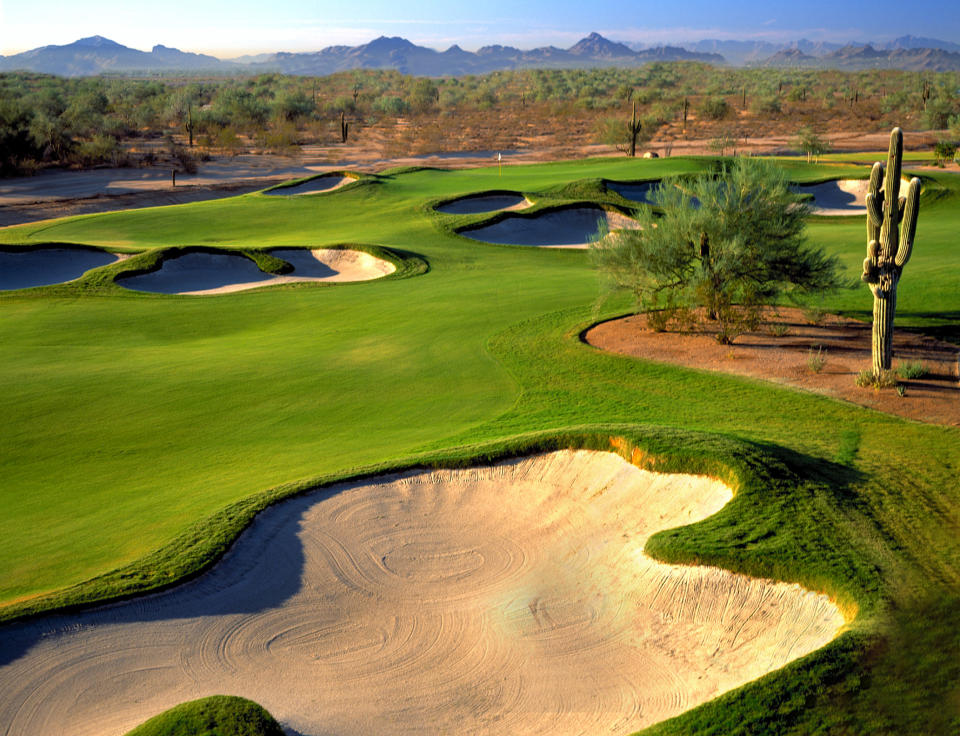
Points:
(218, 715)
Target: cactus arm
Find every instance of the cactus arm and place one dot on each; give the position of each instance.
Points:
(871, 273)
(875, 202)
(891, 184)
(874, 210)
(909, 227)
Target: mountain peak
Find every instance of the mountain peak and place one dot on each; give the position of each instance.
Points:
(598, 46)
(96, 42)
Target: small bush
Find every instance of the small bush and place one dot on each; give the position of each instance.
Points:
(714, 108)
(901, 390)
(778, 329)
(911, 369)
(658, 320)
(815, 315)
(868, 379)
(816, 360)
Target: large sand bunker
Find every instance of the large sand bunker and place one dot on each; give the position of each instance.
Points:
(480, 203)
(573, 227)
(313, 186)
(222, 273)
(27, 268)
(507, 599)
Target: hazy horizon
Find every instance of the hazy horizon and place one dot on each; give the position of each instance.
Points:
(228, 29)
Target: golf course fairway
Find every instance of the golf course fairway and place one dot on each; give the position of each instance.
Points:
(144, 432)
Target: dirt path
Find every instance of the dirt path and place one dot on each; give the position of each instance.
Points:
(505, 599)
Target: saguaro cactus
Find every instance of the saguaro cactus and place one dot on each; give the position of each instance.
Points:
(891, 227)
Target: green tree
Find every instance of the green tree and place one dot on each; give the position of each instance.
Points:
(728, 244)
(811, 144)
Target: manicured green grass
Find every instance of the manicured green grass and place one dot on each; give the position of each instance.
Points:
(218, 715)
(135, 423)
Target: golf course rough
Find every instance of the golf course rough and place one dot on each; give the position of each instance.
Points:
(501, 599)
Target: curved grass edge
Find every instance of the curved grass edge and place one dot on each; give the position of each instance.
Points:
(216, 715)
(104, 279)
(737, 463)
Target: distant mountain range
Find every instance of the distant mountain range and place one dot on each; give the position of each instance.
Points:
(856, 58)
(98, 55)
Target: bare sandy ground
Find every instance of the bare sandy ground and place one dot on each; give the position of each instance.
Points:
(574, 227)
(28, 268)
(485, 203)
(841, 197)
(507, 599)
(314, 186)
(223, 273)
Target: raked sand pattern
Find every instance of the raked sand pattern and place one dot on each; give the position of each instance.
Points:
(507, 599)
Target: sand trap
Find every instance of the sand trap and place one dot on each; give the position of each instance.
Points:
(484, 203)
(313, 186)
(634, 191)
(224, 273)
(841, 197)
(565, 228)
(23, 269)
(505, 599)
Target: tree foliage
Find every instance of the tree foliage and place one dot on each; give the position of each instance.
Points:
(728, 244)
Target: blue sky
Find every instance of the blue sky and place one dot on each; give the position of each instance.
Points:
(231, 27)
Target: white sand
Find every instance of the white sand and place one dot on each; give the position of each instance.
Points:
(313, 186)
(224, 273)
(841, 197)
(485, 203)
(573, 227)
(507, 599)
(45, 266)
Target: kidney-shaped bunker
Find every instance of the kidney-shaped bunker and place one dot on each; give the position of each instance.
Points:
(222, 273)
(25, 268)
(313, 186)
(573, 227)
(476, 204)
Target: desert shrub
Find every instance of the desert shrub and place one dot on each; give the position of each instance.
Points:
(766, 106)
(714, 108)
(816, 360)
(391, 105)
(868, 379)
(741, 248)
(937, 114)
(911, 369)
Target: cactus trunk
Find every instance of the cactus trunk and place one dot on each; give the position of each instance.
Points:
(884, 309)
(891, 227)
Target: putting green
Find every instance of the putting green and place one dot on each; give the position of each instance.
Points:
(131, 417)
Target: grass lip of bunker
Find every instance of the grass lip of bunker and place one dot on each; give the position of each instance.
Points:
(472, 589)
(24, 268)
(561, 227)
(476, 204)
(206, 273)
(314, 185)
